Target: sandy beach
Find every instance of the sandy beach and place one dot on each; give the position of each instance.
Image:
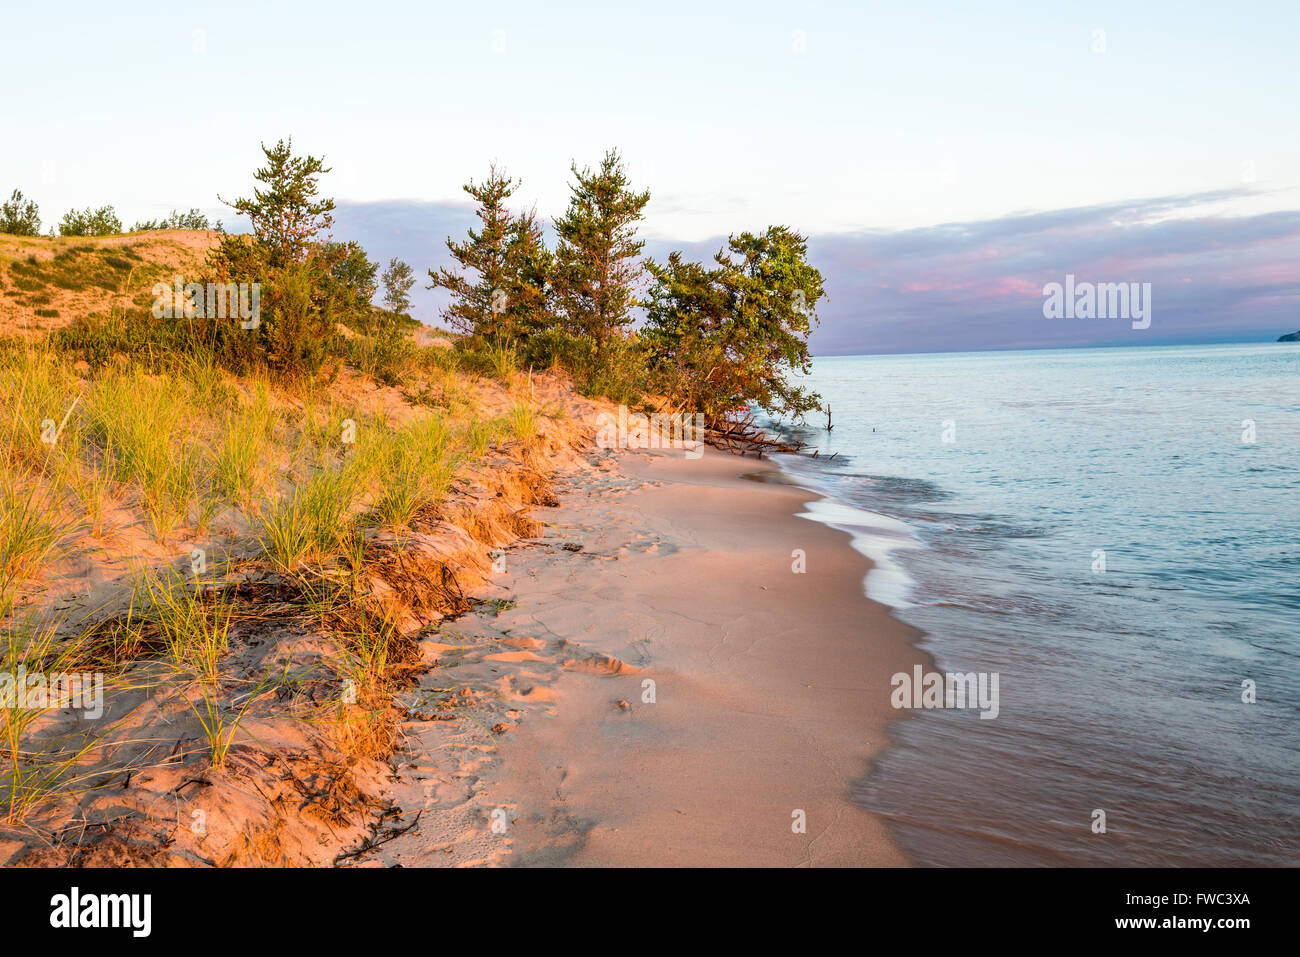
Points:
(665, 689)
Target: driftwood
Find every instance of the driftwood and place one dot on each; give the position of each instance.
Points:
(741, 437)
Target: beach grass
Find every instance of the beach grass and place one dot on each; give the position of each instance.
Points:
(34, 530)
(122, 453)
(38, 768)
(522, 421)
(143, 426)
(194, 621)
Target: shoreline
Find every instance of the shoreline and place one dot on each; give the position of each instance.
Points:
(770, 690)
(779, 709)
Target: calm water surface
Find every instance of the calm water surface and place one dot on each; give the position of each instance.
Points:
(1120, 690)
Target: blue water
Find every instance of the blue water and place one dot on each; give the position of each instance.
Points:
(1120, 690)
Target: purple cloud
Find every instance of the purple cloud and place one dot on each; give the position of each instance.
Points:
(978, 285)
(971, 286)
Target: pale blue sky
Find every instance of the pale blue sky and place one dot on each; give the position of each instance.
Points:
(876, 115)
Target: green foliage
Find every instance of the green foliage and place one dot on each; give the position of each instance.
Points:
(479, 434)
(499, 290)
(522, 421)
(719, 336)
(529, 308)
(34, 386)
(287, 214)
(618, 371)
(194, 626)
(348, 283)
(308, 286)
(416, 466)
(33, 531)
(151, 344)
(81, 267)
(297, 328)
(20, 216)
(726, 336)
(295, 336)
(398, 279)
(384, 355)
(302, 305)
(597, 269)
(140, 427)
(90, 222)
(315, 520)
(194, 219)
(37, 768)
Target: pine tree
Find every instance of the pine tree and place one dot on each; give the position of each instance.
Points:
(499, 290)
(597, 269)
(287, 216)
(728, 335)
(310, 285)
(529, 306)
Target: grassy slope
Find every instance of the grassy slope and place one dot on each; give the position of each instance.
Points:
(46, 283)
(245, 566)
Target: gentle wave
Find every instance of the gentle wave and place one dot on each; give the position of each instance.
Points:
(1121, 557)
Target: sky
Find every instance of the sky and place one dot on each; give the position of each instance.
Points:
(946, 160)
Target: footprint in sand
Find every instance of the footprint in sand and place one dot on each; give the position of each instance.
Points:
(599, 665)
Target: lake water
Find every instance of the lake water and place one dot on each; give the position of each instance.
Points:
(1116, 533)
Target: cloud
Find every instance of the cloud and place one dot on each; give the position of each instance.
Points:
(410, 230)
(978, 285)
(969, 286)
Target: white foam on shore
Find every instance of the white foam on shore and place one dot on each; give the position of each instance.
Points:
(879, 538)
(876, 536)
